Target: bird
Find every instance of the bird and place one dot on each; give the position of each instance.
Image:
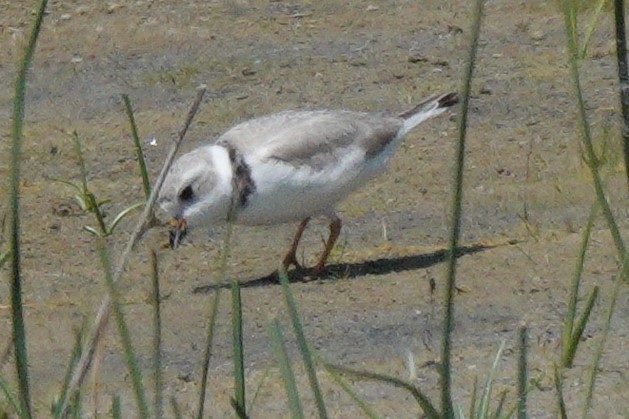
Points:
(287, 167)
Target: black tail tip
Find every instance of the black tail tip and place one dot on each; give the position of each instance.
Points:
(448, 100)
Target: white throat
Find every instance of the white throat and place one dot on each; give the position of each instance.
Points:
(223, 166)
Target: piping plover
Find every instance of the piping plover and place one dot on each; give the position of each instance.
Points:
(287, 167)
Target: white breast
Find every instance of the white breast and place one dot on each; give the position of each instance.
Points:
(286, 193)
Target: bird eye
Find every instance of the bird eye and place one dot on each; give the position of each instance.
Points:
(187, 194)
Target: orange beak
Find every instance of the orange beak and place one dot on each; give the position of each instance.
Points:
(179, 229)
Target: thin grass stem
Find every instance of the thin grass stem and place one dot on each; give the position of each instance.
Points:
(213, 314)
(288, 376)
(104, 310)
(207, 355)
(116, 411)
(146, 185)
(567, 352)
(522, 371)
(158, 407)
(489, 384)
(17, 309)
(88, 197)
(592, 159)
(125, 335)
(348, 389)
(560, 399)
(422, 400)
(623, 75)
(74, 357)
(238, 350)
(621, 276)
(10, 398)
(303, 345)
(447, 409)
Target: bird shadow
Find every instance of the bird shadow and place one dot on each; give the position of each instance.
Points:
(380, 266)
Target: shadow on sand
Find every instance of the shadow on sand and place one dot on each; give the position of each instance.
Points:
(353, 270)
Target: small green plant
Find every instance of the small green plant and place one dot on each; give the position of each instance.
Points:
(4, 257)
(89, 203)
(572, 333)
(480, 408)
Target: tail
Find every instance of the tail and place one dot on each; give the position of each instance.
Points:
(429, 108)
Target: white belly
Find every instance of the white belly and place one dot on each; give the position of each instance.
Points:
(285, 193)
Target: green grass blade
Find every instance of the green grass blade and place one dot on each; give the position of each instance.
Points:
(17, 310)
(208, 351)
(489, 383)
(91, 203)
(421, 398)
(213, 313)
(238, 350)
(158, 408)
(567, 352)
(240, 412)
(580, 327)
(9, 396)
(522, 371)
(584, 126)
(303, 345)
(105, 309)
(288, 377)
(473, 401)
(116, 412)
(77, 406)
(455, 222)
(348, 389)
(146, 185)
(121, 215)
(501, 403)
(68, 183)
(623, 74)
(598, 352)
(125, 336)
(560, 400)
(74, 357)
(4, 257)
(591, 27)
(93, 231)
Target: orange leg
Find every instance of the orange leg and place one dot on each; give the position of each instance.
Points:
(335, 230)
(291, 256)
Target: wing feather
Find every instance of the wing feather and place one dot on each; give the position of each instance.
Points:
(312, 138)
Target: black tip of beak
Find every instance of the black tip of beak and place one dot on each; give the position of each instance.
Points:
(177, 233)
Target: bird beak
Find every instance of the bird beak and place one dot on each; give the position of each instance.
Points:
(178, 231)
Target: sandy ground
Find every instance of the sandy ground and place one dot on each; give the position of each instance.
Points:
(527, 195)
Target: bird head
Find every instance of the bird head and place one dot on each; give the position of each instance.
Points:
(195, 192)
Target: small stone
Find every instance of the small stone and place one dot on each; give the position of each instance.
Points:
(65, 16)
(538, 35)
(372, 8)
(113, 7)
